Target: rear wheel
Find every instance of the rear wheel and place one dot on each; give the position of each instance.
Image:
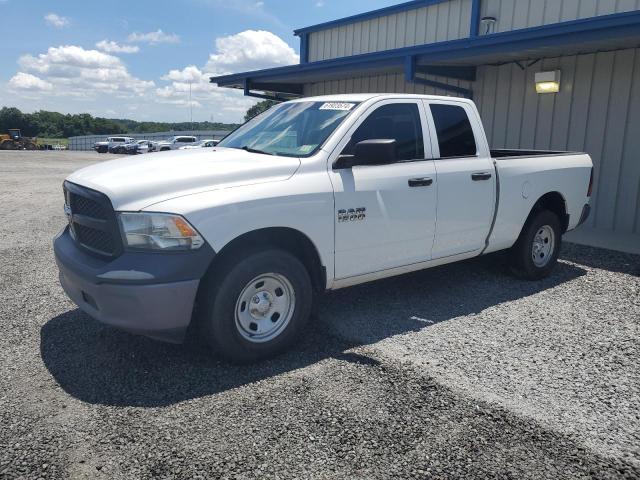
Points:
(535, 254)
(256, 307)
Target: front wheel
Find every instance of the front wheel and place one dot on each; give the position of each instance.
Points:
(256, 307)
(535, 254)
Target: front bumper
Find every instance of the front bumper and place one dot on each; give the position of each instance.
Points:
(151, 294)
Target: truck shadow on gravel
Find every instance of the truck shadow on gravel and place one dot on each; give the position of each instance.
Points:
(100, 365)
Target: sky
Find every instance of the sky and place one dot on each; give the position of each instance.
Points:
(136, 59)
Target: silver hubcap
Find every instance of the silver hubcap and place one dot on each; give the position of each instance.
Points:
(265, 307)
(543, 245)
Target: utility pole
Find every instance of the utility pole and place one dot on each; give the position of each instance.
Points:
(190, 107)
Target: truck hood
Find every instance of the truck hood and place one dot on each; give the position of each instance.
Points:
(135, 183)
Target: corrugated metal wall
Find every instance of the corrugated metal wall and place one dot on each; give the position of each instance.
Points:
(516, 14)
(381, 84)
(597, 111)
(435, 23)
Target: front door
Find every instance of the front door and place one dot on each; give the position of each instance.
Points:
(385, 214)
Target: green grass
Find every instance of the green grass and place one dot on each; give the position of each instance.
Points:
(53, 141)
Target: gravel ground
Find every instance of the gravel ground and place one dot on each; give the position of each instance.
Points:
(456, 372)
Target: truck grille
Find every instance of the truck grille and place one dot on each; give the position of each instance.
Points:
(94, 238)
(92, 220)
(87, 207)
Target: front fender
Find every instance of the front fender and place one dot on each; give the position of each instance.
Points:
(303, 203)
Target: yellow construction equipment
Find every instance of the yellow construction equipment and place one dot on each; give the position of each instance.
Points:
(15, 141)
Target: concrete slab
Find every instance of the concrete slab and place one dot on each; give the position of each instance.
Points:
(622, 242)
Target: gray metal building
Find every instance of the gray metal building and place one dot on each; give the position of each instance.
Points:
(490, 50)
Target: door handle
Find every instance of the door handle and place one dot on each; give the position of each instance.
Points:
(476, 177)
(420, 182)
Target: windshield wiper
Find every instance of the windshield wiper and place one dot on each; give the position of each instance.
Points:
(255, 150)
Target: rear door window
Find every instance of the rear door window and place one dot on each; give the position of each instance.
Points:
(454, 131)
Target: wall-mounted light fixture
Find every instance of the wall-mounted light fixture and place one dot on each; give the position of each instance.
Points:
(488, 25)
(548, 82)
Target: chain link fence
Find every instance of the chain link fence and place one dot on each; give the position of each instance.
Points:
(86, 142)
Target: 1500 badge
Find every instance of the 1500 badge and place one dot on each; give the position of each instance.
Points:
(352, 215)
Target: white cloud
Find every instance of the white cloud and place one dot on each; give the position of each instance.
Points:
(72, 70)
(191, 81)
(154, 38)
(71, 78)
(186, 75)
(114, 47)
(56, 20)
(250, 50)
(320, 3)
(26, 81)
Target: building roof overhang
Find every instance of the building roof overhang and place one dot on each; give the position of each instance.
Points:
(451, 58)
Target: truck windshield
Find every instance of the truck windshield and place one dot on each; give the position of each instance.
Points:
(294, 129)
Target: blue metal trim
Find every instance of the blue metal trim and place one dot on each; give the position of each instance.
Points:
(304, 48)
(590, 29)
(409, 68)
(476, 8)
(410, 77)
(246, 85)
(401, 7)
(444, 86)
(265, 97)
(468, 73)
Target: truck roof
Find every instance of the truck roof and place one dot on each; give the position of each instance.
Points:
(363, 97)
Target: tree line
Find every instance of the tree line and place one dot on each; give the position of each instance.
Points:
(58, 125)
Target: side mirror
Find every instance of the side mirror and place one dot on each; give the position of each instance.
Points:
(369, 152)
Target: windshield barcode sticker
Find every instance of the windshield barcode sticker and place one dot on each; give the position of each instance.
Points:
(337, 106)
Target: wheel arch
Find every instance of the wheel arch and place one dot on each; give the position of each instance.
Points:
(554, 202)
(286, 238)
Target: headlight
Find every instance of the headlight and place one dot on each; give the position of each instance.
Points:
(158, 231)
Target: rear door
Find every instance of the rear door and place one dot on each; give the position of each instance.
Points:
(385, 214)
(466, 178)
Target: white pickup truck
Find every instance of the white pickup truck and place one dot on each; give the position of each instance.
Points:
(176, 142)
(110, 143)
(315, 194)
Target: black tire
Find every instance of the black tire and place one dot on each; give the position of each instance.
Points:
(220, 298)
(521, 254)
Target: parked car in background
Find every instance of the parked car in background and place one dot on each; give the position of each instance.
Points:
(121, 148)
(111, 142)
(208, 143)
(174, 143)
(316, 194)
(139, 146)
